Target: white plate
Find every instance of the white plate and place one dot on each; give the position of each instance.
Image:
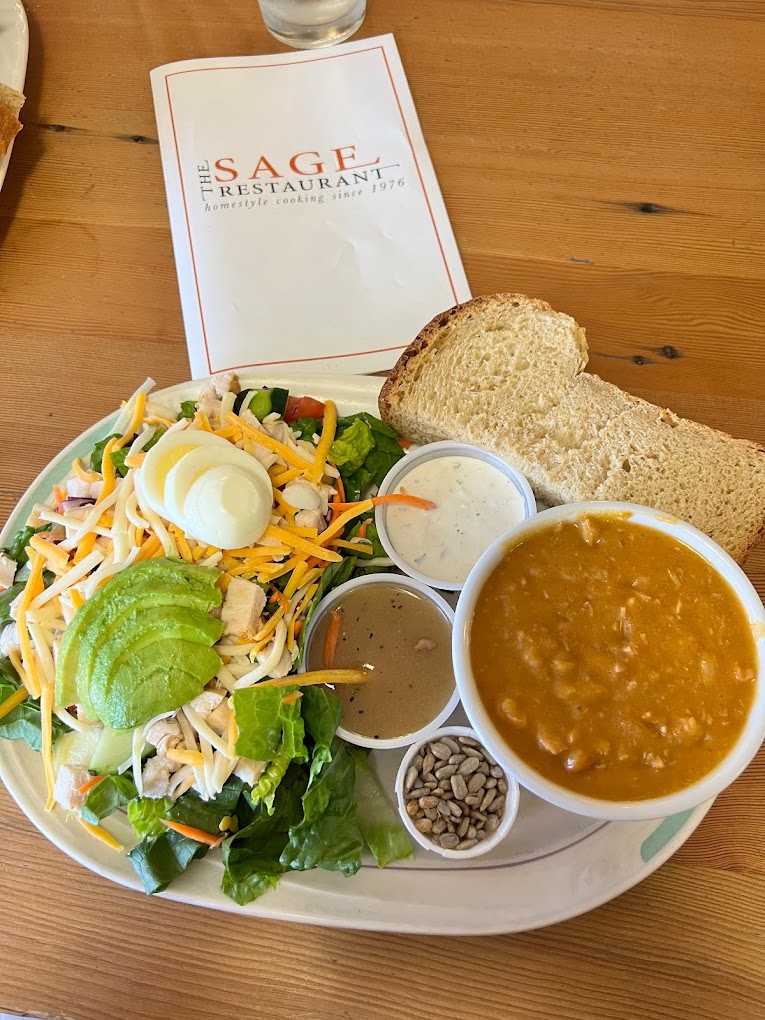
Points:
(554, 865)
(14, 48)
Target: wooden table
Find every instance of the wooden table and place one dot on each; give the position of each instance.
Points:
(604, 155)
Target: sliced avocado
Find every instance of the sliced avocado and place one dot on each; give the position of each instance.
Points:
(146, 629)
(111, 750)
(154, 579)
(75, 748)
(171, 673)
(138, 631)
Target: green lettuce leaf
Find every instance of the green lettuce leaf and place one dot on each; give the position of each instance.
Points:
(306, 428)
(360, 475)
(207, 815)
(322, 712)
(17, 547)
(103, 800)
(378, 820)
(328, 835)
(352, 445)
(158, 860)
(6, 598)
(145, 816)
(267, 727)
(188, 409)
(251, 864)
(118, 456)
(23, 723)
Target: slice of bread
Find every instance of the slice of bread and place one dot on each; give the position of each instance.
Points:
(506, 372)
(11, 102)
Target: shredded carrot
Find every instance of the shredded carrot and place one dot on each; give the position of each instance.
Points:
(91, 784)
(333, 633)
(279, 597)
(404, 443)
(298, 627)
(191, 833)
(362, 533)
(290, 699)
(394, 497)
(340, 490)
(14, 701)
(320, 676)
(60, 495)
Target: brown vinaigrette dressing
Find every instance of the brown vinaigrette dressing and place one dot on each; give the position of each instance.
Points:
(404, 641)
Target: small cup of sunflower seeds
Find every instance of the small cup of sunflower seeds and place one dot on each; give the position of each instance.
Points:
(453, 797)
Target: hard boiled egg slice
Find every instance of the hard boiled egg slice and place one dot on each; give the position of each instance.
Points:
(227, 507)
(194, 464)
(162, 458)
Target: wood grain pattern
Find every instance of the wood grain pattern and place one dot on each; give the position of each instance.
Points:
(604, 155)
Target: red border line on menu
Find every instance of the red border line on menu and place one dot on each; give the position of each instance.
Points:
(252, 67)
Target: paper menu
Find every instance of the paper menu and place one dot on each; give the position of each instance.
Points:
(308, 226)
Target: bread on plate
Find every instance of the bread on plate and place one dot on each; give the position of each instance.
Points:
(507, 373)
(11, 102)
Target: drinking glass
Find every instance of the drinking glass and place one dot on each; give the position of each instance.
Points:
(305, 24)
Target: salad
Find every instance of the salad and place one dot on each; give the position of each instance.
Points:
(152, 618)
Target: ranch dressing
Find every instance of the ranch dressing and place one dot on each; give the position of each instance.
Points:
(475, 504)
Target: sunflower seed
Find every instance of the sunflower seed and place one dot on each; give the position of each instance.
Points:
(492, 823)
(449, 840)
(455, 759)
(463, 827)
(497, 805)
(428, 762)
(428, 802)
(445, 771)
(432, 785)
(502, 785)
(431, 813)
(411, 775)
(466, 844)
(412, 808)
(491, 782)
(468, 741)
(471, 832)
(455, 809)
(423, 825)
(420, 791)
(439, 827)
(488, 757)
(483, 768)
(468, 766)
(452, 744)
(459, 786)
(417, 762)
(443, 808)
(496, 772)
(429, 777)
(441, 751)
(488, 798)
(475, 782)
(480, 834)
(473, 799)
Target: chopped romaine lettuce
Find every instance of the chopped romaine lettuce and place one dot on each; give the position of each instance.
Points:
(23, 723)
(145, 816)
(267, 727)
(160, 859)
(378, 820)
(103, 800)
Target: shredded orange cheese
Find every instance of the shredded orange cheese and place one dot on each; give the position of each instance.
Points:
(316, 471)
(14, 701)
(46, 735)
(135, 420)
(262, 439)
(287, 537)
(102, 834)
(337, 526)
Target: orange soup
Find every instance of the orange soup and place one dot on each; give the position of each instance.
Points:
(612, 658)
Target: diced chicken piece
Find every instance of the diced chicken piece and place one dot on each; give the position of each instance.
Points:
(56, 534)
(164, 734)
(226, 382)
(218, 719)
(66, 792)
(283, 666)
(206, 703)
(309, 519)
(242, 606)
(249, 771)
(9, 640)
(76, 488)
(156, 777)
(34, 520)
(265, 457)
(247, 416)
(7, 571)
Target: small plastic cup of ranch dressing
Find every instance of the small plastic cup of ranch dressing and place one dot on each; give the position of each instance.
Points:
(478, 496)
